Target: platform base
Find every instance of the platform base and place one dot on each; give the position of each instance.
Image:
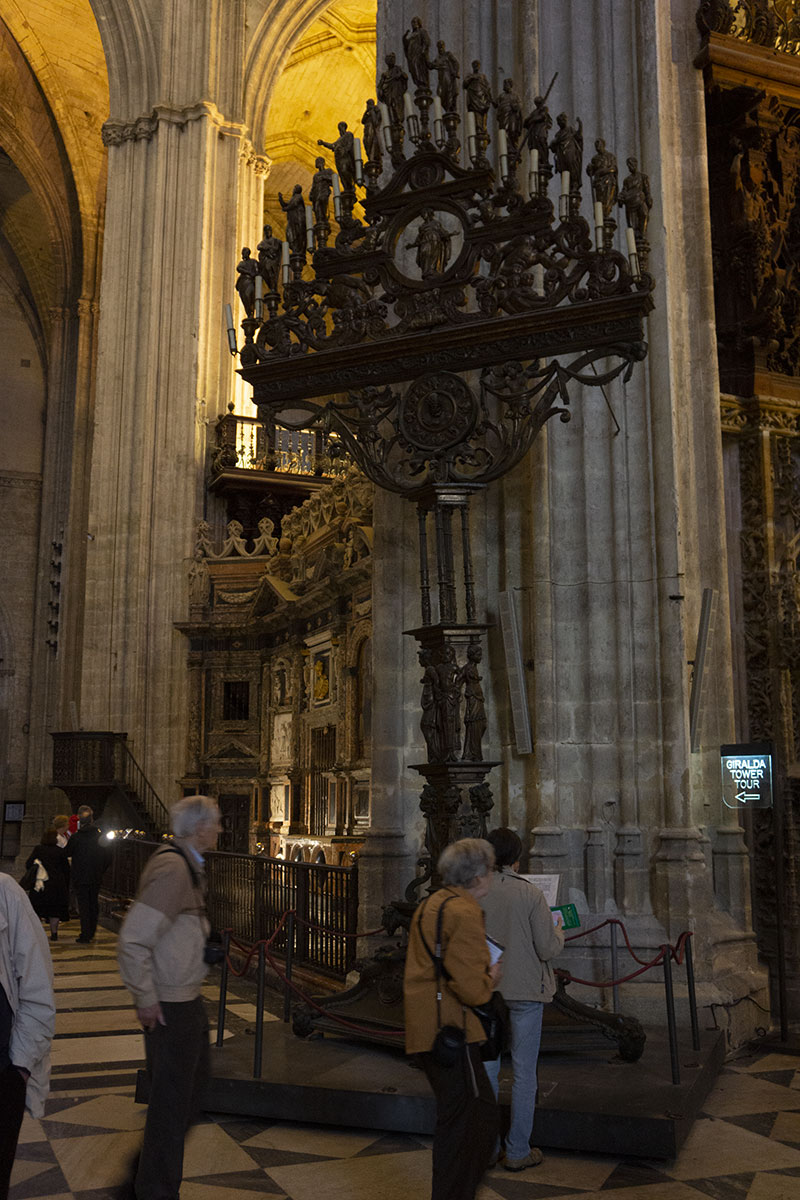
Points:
(589, 1100)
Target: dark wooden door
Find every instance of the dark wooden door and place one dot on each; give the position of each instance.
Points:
(235, 836)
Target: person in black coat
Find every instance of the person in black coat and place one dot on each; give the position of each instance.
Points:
(89, 857)
(50, 896)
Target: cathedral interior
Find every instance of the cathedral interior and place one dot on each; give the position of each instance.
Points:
(229, 603)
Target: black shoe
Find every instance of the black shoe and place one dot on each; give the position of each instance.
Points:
(83, 941)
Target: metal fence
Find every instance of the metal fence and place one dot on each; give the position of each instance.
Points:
(248, 894)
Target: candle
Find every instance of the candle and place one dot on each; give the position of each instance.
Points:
(385, 127)
(285, 263)
(633, 253)
(598, 223)
(309, 228)
(228, 315)
(563, 207)
(538, 279)
(502, 150)
(438, 121)
(337, 198)
(384, 114)
(408, 107)
(533, 174)
(259, 297)
(471, 135)
(359, 164)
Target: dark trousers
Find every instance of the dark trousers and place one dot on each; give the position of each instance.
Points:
(178, 1069)
(88, 908)
(466, 1124)
(12, 1109)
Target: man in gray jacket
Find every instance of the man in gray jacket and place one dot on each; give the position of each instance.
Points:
(27, 1019)
(161, 960)
(518, 917)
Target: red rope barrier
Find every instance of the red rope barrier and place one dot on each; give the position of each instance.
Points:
(676, 952)
(266, 943)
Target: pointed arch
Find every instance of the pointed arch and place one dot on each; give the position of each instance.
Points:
(281, 25)
(131, 56)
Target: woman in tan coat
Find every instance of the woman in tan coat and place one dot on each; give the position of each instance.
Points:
(466, 1111)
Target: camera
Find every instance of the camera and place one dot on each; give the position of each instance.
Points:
(213, 954)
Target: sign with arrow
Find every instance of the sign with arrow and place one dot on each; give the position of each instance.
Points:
(747, 775)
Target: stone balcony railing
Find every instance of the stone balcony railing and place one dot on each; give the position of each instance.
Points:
(244, 443)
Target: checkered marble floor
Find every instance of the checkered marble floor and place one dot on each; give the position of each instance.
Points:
(745, 1146)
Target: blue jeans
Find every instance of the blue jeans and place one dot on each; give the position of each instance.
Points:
(526, 1035)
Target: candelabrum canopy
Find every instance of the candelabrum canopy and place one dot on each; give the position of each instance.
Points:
(466, 286)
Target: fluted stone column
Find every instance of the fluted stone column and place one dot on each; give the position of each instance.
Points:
(54, 669)
(636, 518)
(177, 207)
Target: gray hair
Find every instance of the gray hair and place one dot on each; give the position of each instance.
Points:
(187, 815)
(461, 863)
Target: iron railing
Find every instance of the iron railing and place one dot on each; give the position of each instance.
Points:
(133, 778)
(248, 894)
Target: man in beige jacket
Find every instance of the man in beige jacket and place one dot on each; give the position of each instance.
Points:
(161, 960)
(518, 917)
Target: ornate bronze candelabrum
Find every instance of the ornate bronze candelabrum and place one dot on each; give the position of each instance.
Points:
(436, 338)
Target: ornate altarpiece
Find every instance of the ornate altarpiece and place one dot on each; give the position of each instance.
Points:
(751, 63)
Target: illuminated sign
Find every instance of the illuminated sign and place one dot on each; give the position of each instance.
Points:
(747, 775)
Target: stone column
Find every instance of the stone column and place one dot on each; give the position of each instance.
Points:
(54, 678)
(387, 860)
(635, 518)
(175, 176)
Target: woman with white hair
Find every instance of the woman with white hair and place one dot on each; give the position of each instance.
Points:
(448, 926)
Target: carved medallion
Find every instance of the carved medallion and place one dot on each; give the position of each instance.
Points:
(438, 411)
(428, 245)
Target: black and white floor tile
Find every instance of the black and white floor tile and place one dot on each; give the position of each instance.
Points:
(745, 1146)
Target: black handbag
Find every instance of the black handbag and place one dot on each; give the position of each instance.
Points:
(28, 879)
(493, 1016)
